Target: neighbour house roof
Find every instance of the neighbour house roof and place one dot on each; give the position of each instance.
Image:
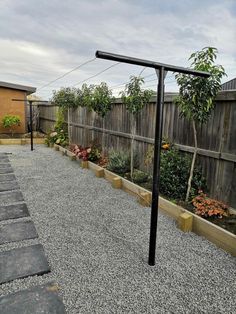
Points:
(230, 85)
(28, 89)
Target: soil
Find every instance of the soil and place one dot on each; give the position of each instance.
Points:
(228, 223)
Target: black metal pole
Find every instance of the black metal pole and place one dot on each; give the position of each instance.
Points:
(148, 64)
(156, 167)
(161, 67)
(31, 126)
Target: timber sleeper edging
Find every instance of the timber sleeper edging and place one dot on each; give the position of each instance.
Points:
(21, 141)
(186, 220)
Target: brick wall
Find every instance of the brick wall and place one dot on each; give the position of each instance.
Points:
(7, 106)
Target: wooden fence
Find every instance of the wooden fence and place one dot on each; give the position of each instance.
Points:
(216, 139)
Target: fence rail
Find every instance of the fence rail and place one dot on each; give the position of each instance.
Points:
(216, 139)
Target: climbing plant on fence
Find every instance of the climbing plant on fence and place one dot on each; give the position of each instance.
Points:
(135, 98)
(196, 94)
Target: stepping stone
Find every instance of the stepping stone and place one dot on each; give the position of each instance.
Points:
(5, 165)
(23, 262)
(8, 186)
(10, 197)
(7, 177)
(37, 300)
(4, 158)
(6, 170)
(13, 211)
(17, 231)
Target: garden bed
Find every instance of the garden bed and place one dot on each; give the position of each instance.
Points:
(217, 235)
(21, 139)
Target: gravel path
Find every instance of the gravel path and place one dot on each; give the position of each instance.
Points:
(96, 241)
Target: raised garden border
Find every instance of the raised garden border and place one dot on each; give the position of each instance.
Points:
(186, 220)
(20, 141)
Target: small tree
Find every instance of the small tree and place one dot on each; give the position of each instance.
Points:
(9, 121)
(197, 94)
(134, 98)
(65, 98)
(84, 96)
(99, 99)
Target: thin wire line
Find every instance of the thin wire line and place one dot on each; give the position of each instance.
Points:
(89, 78)
(118, 85)
(76, 68)
(142, 71)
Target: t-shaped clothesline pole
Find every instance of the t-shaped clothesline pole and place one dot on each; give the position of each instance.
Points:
(161, 69)
(31, 119)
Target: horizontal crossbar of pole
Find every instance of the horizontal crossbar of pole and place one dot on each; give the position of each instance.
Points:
(30, 100)
(150, 64)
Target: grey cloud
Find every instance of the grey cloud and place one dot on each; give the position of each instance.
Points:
(70, 31)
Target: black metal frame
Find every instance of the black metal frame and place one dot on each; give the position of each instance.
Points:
(31, 119)
(161, 68)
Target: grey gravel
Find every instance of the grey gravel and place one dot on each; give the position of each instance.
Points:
(96, 240)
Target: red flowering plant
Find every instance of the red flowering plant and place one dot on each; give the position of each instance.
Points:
(208, 207)
(85, 153)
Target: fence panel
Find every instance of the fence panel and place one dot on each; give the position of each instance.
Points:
(216, 138)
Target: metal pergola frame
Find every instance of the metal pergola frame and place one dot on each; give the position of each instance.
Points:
(161, 70)
(31, 118)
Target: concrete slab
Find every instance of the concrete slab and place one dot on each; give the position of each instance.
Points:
(36, 300)
(4, 159)
(17, 231)
(9, 197)
(23, 262)
(5, 165)
(13, 211)
(6, 170)
(9, 186)
(7, 177)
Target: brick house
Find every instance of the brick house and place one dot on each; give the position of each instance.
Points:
(9, 91)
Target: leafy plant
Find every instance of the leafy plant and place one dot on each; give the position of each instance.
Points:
(119, 162)
(197, 94)
(84, 96)
(65, 98)
(165, 144)
(95, 154)
(60, 120)
(208, 207)
(174, 172)
(140, 176)
(101, 103)
(86, 153)
(10, 121)
(101, 99)
(134, 98)
(57, 137)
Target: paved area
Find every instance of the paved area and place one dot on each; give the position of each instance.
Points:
(96, 241)
(21, 262)
(37, 300)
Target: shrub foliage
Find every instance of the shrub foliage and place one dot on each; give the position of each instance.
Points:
(174, 172)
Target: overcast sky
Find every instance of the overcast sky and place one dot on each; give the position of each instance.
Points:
(41, 40)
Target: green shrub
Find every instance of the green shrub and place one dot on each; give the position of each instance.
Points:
(10, 121)
(119, 162)
(174, 173)
(140, 176)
